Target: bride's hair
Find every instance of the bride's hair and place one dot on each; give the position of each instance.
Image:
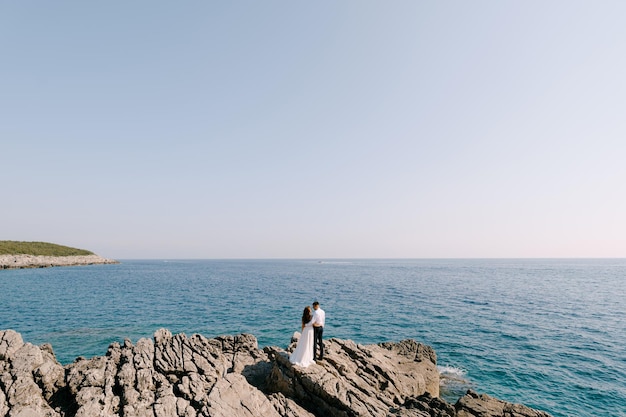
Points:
(306, 315)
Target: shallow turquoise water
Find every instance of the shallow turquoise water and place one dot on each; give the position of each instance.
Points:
(546, 333)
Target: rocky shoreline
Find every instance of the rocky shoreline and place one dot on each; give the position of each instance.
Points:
(32, 261)
(229, 376)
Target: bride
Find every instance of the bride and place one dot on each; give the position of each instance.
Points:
(303, 355)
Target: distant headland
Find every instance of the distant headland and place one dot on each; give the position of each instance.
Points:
(17, 255)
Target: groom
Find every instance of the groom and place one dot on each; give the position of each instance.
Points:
(319, 319)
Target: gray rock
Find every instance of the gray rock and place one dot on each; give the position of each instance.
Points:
(32, 261)
(10, 341)
(20, 363)
(473, 404)
(176, 375)
(356, 380)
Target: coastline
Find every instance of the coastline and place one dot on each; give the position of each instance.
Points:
(172, 375)
(510, 358)
(23, 261)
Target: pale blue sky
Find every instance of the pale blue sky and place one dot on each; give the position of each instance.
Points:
(327, 129)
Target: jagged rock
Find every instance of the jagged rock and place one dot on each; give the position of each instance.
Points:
(412, 350)
(473, 404)
(180, 376)
(10, 341)
(50, 375)
(425, 406)
(21, 362)
(89, 383)
(356, 380)
(233, 396)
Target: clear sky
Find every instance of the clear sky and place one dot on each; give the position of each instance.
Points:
(325, 129)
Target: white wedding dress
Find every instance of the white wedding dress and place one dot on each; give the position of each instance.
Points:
(303, 355)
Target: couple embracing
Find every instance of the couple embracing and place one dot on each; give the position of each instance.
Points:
(311, 337)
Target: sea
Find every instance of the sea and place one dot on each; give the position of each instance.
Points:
(547, 333)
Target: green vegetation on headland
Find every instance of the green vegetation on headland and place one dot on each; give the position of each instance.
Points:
(10, 247)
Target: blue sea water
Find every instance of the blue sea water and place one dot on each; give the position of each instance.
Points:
(550, 334)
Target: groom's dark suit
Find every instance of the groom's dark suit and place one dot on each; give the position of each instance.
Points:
(319, 319)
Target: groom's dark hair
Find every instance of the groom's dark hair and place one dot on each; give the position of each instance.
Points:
(315, 303)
